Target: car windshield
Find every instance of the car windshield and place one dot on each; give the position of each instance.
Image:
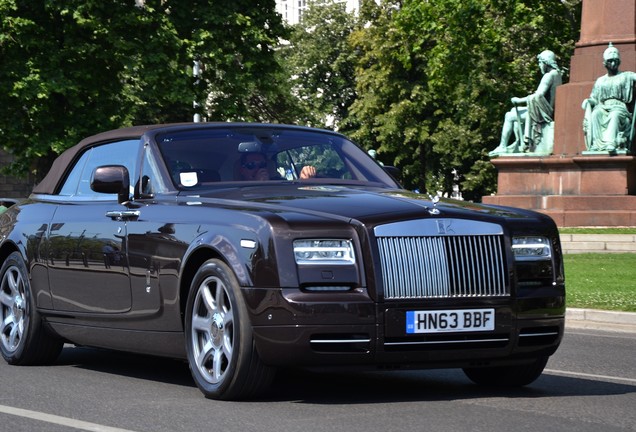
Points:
(206, 157)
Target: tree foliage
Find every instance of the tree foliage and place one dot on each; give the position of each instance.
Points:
(425, 83)
(73, 68)
(320, 63)
(435, 80)
(236, 43)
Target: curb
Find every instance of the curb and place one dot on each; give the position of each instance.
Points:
(598, 243)
(600, 320)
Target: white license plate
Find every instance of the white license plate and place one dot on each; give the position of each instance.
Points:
(457, 320)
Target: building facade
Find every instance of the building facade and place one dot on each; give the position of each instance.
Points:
(292, 10)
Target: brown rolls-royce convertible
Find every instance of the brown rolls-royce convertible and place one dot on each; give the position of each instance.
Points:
(245, 248)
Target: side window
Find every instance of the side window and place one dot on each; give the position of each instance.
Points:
(116, 153)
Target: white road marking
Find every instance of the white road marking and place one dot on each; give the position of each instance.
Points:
(586, 375)
(63, 421)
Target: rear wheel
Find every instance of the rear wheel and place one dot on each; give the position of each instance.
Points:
(23, 338)
(219, 342)
(507, 376)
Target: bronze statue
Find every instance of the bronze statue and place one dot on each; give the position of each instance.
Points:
(608, 123)
(530, 123)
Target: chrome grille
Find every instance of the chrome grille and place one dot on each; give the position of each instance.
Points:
(442, 266)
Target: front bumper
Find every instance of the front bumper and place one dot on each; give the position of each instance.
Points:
(292, 328)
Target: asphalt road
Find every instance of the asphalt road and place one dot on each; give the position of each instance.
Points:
(589, 385)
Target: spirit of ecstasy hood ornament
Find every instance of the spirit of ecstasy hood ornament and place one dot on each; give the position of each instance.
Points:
(434, 200)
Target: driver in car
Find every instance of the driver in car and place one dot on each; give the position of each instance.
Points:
(254, 167)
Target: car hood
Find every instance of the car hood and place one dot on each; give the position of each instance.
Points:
(351, 202)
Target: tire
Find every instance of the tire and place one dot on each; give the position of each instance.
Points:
(507, 376)
(219, 343)
(23, 338)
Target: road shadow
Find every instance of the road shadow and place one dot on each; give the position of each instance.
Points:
(336, 388)
(164, 370)
(428, 385)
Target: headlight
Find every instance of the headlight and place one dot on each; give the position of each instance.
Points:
(531, 248)
(324, 251)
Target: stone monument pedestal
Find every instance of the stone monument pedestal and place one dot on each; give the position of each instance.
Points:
(574, 191)
(573, 187)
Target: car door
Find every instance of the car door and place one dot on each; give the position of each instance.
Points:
(154, 251)
(88, 265)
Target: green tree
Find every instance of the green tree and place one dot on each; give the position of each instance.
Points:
(76, 67)
(320, 63)
(435, 80)
(235, 40)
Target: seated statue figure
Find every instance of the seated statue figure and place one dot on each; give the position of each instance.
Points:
(608, 124)
(529, 122)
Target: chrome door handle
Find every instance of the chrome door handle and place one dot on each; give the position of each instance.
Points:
(120, 215)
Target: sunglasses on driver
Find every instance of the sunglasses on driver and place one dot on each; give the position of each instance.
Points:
(255, 165)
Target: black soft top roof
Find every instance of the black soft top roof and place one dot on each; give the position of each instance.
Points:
(53, 177)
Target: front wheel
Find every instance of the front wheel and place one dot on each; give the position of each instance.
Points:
(219, 342)
(23, 338)
(507, 376)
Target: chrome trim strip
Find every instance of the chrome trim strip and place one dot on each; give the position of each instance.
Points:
(319, 341)
(539, 334)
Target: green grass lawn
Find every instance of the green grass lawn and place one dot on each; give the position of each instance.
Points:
(601, 281)
(609, 230)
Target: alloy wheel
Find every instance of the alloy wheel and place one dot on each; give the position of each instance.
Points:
(14, 314)
(212, 329)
